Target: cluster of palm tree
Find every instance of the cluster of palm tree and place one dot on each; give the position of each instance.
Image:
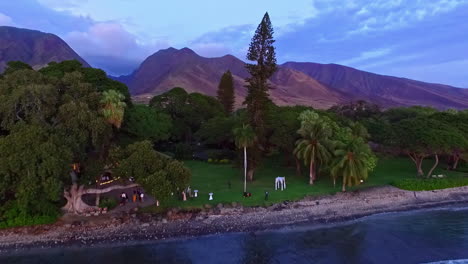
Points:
(343, 151)
(113, 107)
(324, 146)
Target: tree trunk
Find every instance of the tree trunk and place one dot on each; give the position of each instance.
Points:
(98, 199)
(298, 166)
(334, 182)
(418, 162)
(74, 202)
(76, 205)
(435, 165)
(316, 170)
(73, 176)
(311, 172)
(245, 169)
(343, 188)
(455, 162)
(250, 174)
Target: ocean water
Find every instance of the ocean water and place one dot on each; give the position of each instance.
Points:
(431, 236)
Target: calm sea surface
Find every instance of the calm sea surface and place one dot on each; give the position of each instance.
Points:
(412, 237)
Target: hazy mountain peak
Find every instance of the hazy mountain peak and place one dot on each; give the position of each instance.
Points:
(33, 47)
(187, 50)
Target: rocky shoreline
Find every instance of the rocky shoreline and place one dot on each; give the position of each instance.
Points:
(133, 227)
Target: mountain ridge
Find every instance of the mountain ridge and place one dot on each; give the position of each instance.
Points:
(402, 91)
(171, 67)
(305, 83)
(33, 47)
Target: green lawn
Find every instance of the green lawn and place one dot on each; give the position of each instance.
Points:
(214, 178)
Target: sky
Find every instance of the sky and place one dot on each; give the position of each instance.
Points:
(419, 39)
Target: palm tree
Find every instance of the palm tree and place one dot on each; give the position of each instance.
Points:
(358, 130)
(244, 138)
(315, 145)
(350, 162)
(113, 107)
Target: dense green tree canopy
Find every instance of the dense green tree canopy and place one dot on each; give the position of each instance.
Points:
(225, 92)
(49, 119)
(96, 77)
(400, 113)
(158, 174)
(13, 66)
(144, 122)
(283, 125)
(357, 110)
(423, 136)
(34, 162)
(217, 131)
(187, 111)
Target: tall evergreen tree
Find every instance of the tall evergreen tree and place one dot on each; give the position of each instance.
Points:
(262, 54)
(226, 92)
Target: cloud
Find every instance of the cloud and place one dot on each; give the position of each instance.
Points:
(389, 15)
(71, 6)
(391, 60)
(211, 49)
(449, 72)
(229, 40)
(32, 15)
(6, 20)
(110, 41)
(367, 55)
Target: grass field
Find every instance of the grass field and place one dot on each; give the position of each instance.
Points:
(207, 177)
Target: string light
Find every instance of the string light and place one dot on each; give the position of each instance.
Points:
(109, 181)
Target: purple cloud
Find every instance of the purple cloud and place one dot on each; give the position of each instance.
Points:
(6, 20)
(110, 46)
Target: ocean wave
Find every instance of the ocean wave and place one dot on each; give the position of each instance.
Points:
(453, 261)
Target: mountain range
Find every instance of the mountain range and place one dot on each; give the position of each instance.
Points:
(33, 47)
(304, 83)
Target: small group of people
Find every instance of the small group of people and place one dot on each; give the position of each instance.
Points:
(105, 177)
(138, 195)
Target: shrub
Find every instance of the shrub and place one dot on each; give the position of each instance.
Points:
(108, 202)
(414, 184)
(167, 153)
(220, 154)
(11, 216)
(462, 169)
(183, 151)
(210, 160)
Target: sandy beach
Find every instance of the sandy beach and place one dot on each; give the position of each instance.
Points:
(129, 227)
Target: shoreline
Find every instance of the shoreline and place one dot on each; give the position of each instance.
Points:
(145, 228)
